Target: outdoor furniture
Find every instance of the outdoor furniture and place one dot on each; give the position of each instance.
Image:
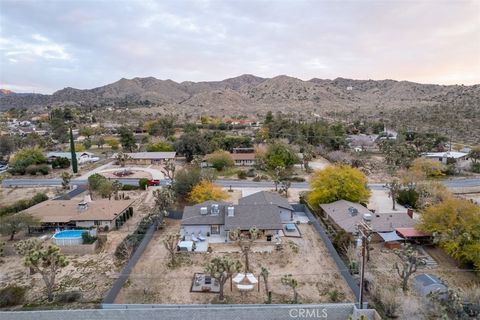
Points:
(208, 280)
(238, 278)
(290, 227)
(201, 237)
(245, 287)
(194, 238)
(251, 278)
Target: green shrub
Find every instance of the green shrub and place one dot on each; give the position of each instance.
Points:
(257, 178)
(69, 297)
(251, 173)
(142, 183)
(476, 167)
(242, 174)
(106, 228)
(87, 238)
(295, 179)
(60, 163)
(21, 205)
(95, 180)
(408, 197)
(12, 296)
(128, 187)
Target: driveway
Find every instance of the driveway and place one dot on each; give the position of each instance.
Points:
(155, 173)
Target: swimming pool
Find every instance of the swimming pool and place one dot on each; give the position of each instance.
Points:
(68, 237)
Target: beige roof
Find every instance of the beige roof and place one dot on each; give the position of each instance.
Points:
(62, 211)
(152, 155)
(242, 156)
(343, 214)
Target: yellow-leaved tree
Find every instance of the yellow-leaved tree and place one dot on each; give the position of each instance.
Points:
(455, 225)
(428, 167)
(338, 182)
(206, 190)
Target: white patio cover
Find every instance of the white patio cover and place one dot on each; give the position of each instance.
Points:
(238, 278)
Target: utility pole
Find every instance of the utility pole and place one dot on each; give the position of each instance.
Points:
(364, 232)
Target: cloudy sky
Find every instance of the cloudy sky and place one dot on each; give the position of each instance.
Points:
(48, 45)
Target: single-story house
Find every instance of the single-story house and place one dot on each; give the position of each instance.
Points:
(447, 157)
(84, 214)
(150, 157)
(82, 157)
(426, 284)
(346, 215)
(262, 210)
(243, 159)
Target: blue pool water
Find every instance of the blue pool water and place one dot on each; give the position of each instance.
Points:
(69, 234)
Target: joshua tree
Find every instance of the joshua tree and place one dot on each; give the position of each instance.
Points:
(122, 158)
(265, 273)
(171, 245)
(169, 170)
(394, 187)
(409, 264)
(285, 185)
(289, 281)
(66, 177)
(222, 269)
(46, 261)
(164, 198)
(245, 242)
(116, 186)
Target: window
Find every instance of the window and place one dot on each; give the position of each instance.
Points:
(215, 229)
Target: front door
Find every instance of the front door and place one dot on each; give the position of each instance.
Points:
(215, 229)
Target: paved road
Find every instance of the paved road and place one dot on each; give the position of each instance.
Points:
(452, 183)
(192, 312)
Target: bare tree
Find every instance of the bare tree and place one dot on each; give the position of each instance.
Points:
(394, 187)
(409, 263)
(285, 185)
(245, 243)
(171, 245)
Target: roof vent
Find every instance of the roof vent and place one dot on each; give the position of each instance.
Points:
(231, 211)
(367, 217)
(82, 206)
(353, 211)
(215, 209)
(203, 211)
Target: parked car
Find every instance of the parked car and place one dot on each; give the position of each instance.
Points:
(153, 182)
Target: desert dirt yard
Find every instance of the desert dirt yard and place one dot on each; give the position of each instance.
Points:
(306, 258)
(91, 274)
(9, 195)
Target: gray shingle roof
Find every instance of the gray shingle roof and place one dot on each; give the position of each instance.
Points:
(338, 211)
(264, 217)
(264, 197)
(192, 215)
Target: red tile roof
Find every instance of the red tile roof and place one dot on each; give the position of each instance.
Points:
(411, 233)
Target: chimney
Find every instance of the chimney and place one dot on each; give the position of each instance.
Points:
(231, 211)
(367, 217)
(410, 213)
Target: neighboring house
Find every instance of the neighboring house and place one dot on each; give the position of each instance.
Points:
(346, 215)
(150, 157)
(243, 159)
(363, 142)
(83, 214)
(426, 284)
(447, 157)
(82, 157)
(217, 218)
